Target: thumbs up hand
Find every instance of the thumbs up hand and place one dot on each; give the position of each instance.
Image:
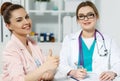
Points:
(51, 62)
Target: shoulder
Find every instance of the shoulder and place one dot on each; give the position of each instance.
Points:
(11, 50)
(104, 36)
(72, 36)
(11, 45)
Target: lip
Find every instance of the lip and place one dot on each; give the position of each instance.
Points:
(87, 23)
(27, 27)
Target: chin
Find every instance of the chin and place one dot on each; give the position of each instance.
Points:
(28, 32)
(88, 29)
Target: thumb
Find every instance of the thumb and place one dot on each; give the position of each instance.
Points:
(50, 52)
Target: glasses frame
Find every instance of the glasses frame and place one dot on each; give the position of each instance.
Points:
(89, 15)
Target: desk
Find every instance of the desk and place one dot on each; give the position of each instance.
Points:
(90, 77)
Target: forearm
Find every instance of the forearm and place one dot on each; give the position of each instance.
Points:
(36, 74)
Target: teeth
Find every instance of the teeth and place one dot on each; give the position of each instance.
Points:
(25, 26)
(86, 23)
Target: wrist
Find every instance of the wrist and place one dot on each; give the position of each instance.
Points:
(43, 68)
(71, 73)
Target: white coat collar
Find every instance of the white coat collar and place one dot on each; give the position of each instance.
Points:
(75, 36)
(99, 39)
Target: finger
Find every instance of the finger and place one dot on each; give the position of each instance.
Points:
(47, 76)
(102, 74)
(105, 77)
(50, 52)
(111, 78)
(43, 77)
(82, 70)
(50, 76)
(82, 75)
(57, 56)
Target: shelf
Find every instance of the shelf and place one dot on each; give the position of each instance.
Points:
(63, 11)
(47, 11)
(50, 11)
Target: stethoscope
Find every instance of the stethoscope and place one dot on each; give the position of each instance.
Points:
(104, 50)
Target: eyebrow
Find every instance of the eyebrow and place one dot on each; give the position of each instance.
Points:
(84, 14)
(18, 18)
(21, 17)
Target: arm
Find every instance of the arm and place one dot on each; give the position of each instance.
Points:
(64, 66)
(114, 63)
(115, 58)
(14, 70)
(45, 71)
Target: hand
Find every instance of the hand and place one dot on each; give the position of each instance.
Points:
(48, 76)
(108, 75)
(79, 74)
(51, 62)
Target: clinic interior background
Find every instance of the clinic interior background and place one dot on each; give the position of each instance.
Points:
(109, 21)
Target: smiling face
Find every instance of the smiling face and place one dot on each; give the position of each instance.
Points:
(20, 23)
(87, 18)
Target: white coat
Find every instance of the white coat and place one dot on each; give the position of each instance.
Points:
(70, 51)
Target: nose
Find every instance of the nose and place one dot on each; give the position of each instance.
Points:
(26, 21)
(86, 18)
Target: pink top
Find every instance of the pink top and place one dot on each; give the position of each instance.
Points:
(17, 61)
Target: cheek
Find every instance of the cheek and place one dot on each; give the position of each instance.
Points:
(80, 23)
(30, 21)
(94, 22)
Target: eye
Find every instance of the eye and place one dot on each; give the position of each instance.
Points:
(81, 16)
(19, 20)
(90, 15)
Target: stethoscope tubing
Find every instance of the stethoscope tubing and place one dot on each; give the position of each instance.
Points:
(80, 56)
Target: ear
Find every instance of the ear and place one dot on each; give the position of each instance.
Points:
(8, 26)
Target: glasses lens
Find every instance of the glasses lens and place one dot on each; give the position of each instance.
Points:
(81, 17)
(90, 15)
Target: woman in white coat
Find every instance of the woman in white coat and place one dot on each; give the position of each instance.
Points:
(89, 49)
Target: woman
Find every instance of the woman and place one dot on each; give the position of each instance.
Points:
(23, 60)
(88, 50)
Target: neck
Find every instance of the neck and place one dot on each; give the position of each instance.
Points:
(88, 33)
(23, 39)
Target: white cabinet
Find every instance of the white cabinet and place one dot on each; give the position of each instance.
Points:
(51, 19)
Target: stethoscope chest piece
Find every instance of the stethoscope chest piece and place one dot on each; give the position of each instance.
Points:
(103, 53)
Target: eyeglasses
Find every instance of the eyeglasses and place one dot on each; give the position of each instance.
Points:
(90, 15)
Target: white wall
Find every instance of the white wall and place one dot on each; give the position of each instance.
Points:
(110, 18)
